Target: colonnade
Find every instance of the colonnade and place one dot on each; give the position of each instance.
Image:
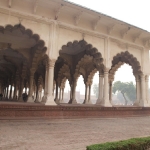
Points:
(14, 90)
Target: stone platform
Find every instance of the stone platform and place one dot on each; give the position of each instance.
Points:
(22, 110)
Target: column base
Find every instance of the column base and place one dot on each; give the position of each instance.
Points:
(43, 99)
(104, 103)
(57, 101)
(144, 104)
(74, 101)
(36, 101)
(49, 100)
(99, 101)
(136, 103)
(88, 102)
(30, 99)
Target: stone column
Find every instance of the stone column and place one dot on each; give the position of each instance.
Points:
(138, 91)
(15, 91)
(7, 88)
(89, 96)
(4, 92)
(37, 93)
(74, 93)
(10, 94)
(62, 95)
(70, 95)
(21, 90)
(100, 94)
(147, 88)
(143, 97)
(106, 101)
(50, 97)
(46, 85)
(110, 91)
(56, 94)
(60, 90)
(30, 98)
(86, 94)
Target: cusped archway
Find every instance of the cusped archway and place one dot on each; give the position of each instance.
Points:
(20, 52)
(125, 57)
(121, 59)
(80, 58)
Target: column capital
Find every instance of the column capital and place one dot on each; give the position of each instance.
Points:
(52, 63)
(101, 75)
(106, 70)
(147, 78)
(142, 76)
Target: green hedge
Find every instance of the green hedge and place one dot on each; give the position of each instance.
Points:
(131, 144)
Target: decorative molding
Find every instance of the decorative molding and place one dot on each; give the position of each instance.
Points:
(95, 24)
(78, 17)
(125, 45)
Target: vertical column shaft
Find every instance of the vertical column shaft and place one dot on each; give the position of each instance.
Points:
(110, 91)
(147, 88)
(142, 87)
(138, 89)
(50, 96)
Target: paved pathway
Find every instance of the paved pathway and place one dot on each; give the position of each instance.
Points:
(68, 134)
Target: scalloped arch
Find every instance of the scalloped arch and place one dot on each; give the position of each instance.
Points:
(78, 66)
(64, 72)
(84, 46)
(90, 76)
(125, 57)
(40, 43)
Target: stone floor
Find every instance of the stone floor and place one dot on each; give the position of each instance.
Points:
(68, 134)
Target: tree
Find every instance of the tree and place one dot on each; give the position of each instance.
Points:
(96, 90)
(127, 90)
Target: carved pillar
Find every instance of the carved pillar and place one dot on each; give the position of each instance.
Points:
(21, 89)
(30, 98)
(56, 94)
(100, 94)
(89, 95)
(50, 97)
(62, 95)
(138, 91)
(46, 84)
(106, 101)
(86, 94)
(73, 90)
(15, 91)
(110, 91)
(147, 88)
(143, 93)
(6, 92)
(10, 94)
(70, 95)
(60, 90)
